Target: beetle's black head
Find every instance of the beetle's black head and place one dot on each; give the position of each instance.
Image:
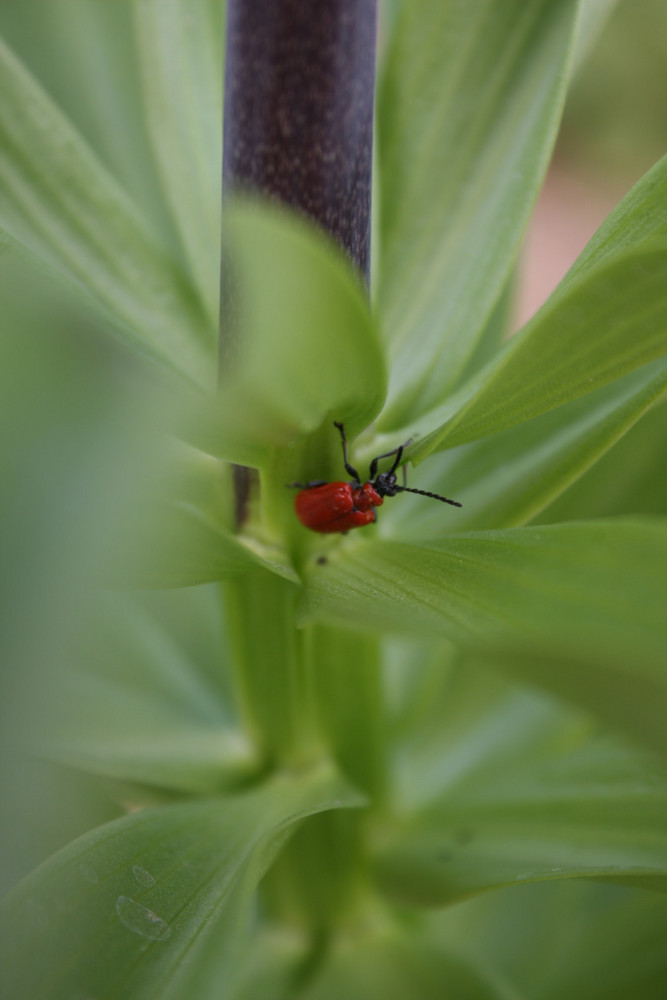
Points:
(385, 484)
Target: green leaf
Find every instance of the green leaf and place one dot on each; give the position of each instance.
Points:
(610, 323)
(181, 532)
(109, 113)
(506, 479)
(578, 939)
(468, 111)
(592, 21)
(154, 904)
(175, 535)
(300, 344)
(44, 807)
(137, 706)
(77, 429)
(543, 812)
(497, 330)
(631, 478)
(457, 725)
(39, 280)
(493, 783)
(595, 589)
(607, 317)
(180, 54)
(61, 202)
(180, 546)
(394, 965)
(576, 608)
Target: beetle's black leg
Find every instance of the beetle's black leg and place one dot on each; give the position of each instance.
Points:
(350, 468)
(397, 460)
(306, 486)
(398, 452)
(374, 464)
(387, 454)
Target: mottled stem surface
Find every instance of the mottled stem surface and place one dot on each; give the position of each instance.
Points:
(299, 110)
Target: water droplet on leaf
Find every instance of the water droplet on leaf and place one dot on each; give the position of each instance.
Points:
(142, 876)
(141, 920)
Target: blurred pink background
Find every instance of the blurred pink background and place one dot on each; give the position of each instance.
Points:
(569, 211)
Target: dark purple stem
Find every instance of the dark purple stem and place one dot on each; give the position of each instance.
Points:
(299, 110)
(298, 123)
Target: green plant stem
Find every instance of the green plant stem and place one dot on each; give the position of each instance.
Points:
(350, 703)
(298, 127)
(272, 675)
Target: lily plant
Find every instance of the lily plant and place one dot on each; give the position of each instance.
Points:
(424, 758)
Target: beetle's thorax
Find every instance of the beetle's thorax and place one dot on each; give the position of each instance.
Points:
(366, 496)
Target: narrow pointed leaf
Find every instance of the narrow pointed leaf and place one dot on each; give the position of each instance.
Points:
(181, 546)
(592, 20)
(468, 111)
(136, 705)
(606, 318)
(606, 942)
(506, 479)
(63, 204)
(555, 812)
(27, 269)
(181, 531)
(95, 85)
(577, 608)
(180, 55)
(611, 322)
(299, 344)
(155, 903)
(629, 479)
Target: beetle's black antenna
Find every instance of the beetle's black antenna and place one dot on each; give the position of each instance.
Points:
(424, 493)
(350, 468)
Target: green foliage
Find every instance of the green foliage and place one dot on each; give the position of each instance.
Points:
(295, 309)
(205, 859)
(468, 109)
(338, 760)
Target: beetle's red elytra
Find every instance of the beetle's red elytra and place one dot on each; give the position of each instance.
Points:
(331, 508)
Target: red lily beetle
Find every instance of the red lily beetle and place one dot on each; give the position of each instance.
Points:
(337, 507)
